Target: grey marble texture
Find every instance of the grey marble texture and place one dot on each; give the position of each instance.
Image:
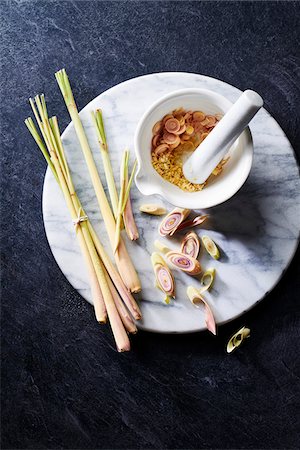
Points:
(63, 384)
(249, 228)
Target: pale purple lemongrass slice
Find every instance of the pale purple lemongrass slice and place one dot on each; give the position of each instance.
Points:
(172, 221)
(192, 222)
(191, 244)
(163, 276)
(184, 262)
(197, 299)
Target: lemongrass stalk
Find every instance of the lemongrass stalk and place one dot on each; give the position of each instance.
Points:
(97, 119)
(123, 261)
(125, 317)
(128, 218)
(123, 171)
(98, 301)
(115, 276)
(116, 324)
(126, 296)
(118, 330)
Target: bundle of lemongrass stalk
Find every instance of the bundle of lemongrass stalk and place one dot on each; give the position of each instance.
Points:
(111, 296)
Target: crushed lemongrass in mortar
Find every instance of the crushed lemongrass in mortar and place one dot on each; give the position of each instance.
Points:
(174, 138)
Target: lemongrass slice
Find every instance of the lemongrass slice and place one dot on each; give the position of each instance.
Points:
(191, 244)
(172, 221)
(236, 340)
(208, 279)
(152, 208)
(197, 299)
(192, 222)
(185, 263)
(211, 247)
(161, 247)
(163, 276)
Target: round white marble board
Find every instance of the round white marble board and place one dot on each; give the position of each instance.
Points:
(257, 230)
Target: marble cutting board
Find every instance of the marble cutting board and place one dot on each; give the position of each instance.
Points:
(257, 230)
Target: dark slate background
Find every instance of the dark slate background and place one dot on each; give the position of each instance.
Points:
(63, 384)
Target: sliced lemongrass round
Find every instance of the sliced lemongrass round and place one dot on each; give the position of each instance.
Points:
(198, 115)
(210, 247)
(189, 130)
(171, 222)
(181, 130)
(176, 143)
(167, 117)
(157, 127)
(155, 140)
(169, 138)
(185, 263)
(236, 340)
(197, 299)
(161, 149)
(208, 279)
(153, 209)
(193, 222)
(191, 244)
(163, 276)
(212, 121)
(172, 125)
(161, 246)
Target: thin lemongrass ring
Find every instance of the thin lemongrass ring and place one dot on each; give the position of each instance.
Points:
(208, 279)
(172, 125)
(236, 340)
(190, 245)
(185, 263)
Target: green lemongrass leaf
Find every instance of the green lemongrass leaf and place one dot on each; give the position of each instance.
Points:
(97, 119)
(60, 149)
(100, 126)
(236, 340)
(65, 87)
(34, 133)
(126, 195)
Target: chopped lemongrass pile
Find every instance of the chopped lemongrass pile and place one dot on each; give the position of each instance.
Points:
(211, 247)
(163, 276)
(197, 299)
(153, 209)
(97, 119)
(125, 186)
(123, 261)
(109, 292)
(236, 340)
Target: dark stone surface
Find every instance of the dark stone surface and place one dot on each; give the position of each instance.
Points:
(63, 384)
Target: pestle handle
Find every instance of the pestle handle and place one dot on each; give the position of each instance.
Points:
(212, 150)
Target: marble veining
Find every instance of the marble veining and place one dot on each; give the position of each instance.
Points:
(257, 230)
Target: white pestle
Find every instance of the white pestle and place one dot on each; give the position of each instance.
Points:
(212, 150)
